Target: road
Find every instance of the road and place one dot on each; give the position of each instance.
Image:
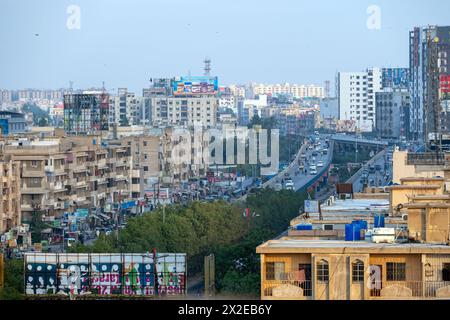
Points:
(301, 177)
(379, 178)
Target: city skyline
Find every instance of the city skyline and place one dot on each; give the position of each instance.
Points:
(247, 42)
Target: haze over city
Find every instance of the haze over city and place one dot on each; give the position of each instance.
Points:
(126, 43)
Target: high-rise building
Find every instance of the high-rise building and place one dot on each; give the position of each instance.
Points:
(356, 97)
(429, 51)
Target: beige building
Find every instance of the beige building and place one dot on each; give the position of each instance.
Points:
(10, 214)
(62, 174)
(338, 270)
(317, 265)
(419, 165)
(188, 111)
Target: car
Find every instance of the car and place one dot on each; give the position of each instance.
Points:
(325, 151)
(378, 167)
(313, 172)
(320, 164)
(278, 186)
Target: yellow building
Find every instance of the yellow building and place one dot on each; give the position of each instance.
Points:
(338, 270)
(10, 214)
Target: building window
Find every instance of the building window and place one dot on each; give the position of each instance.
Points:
(274, 270)
(396, 271)
(446, 272)
(322, 271)
(358, 271)
(145, 168)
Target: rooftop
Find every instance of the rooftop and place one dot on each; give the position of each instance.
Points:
(289, 245)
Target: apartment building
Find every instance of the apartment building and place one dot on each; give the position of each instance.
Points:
(188, 111)
(62, 174)
(294, 269)
(356, 97)
(10, 214)
(296, 90)
(392, 114)
(126, 108)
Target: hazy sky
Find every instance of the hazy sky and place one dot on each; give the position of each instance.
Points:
(126, 42)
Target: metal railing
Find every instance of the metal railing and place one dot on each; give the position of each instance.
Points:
(407, 289)
(270, 288)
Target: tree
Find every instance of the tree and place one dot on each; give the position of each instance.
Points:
(13, 286)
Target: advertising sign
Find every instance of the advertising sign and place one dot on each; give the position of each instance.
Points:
(105, 274)
(196, 86)
(311, 206)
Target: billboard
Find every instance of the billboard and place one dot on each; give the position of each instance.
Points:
(311, 206)
(195, 86)
(444, 85)
(395, 77)
(105, 274)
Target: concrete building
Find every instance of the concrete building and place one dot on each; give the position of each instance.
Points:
(10, 214)
(392, 114)
(188, 111)
(62, 174)
(126, 109)
(429, 51)
(356, 97)
(294, 269)
(297, 91)
(12, 123)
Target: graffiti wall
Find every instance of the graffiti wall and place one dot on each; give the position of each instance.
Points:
(105, 274)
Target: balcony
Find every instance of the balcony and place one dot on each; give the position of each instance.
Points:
(410, 290)
(287, 290)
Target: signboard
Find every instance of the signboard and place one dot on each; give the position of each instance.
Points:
(311, 206)
(196, 85)
(395, 78)
(444, 85)
(105, 274)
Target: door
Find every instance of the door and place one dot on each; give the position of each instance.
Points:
(375, 280)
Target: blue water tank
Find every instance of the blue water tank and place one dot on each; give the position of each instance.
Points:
(362, 223)
(349, 232)
(303, 227)
(378, 221)
(353, 231)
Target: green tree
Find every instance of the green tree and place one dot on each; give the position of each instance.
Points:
(13, 288)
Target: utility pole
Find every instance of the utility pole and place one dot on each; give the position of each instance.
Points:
(210, 277)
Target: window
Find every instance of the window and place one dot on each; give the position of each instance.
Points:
(145, 168)
(396, 271)
(358, 271)
(274, 270)
(446, 272)
(322, 271)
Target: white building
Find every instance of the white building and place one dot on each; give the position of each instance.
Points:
(296, 90)
(356, 97)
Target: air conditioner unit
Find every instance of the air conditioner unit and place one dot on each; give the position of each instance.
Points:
(405, 217)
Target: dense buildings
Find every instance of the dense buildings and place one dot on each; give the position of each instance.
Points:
(429, 51)
(62, 174)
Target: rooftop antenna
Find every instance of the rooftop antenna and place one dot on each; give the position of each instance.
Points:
(207, 69)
